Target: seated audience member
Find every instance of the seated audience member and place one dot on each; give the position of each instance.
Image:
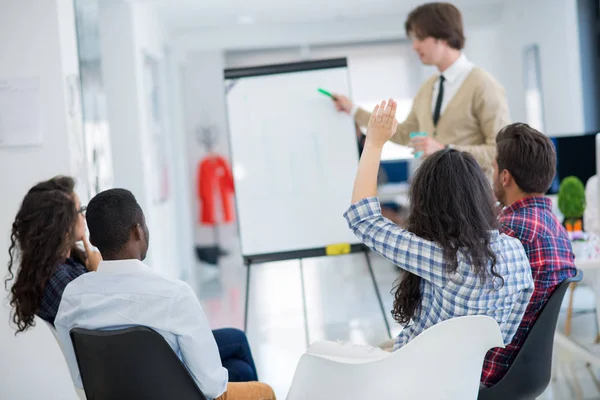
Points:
(456, 261)
(125, 292)
(42, 247)
(590, 215)
(523, 172)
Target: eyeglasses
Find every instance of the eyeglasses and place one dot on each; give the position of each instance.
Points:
(82, 210)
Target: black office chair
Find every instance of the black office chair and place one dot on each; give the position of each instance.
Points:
(529, 374)
(131, 363)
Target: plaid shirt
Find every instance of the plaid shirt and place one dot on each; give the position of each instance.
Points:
(444, 295)
(551, 258)
(55, 287)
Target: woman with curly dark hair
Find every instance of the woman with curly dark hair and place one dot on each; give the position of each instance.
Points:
(456, 263)
(43, 252)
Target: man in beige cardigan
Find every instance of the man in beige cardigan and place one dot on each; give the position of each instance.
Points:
(463, 107)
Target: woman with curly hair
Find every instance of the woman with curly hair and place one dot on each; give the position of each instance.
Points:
(43, 251)
(455, 261)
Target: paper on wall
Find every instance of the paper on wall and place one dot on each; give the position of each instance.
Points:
(20, 112)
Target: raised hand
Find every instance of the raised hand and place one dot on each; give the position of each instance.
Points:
(382, 124)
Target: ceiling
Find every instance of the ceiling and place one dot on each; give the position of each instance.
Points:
(185, 15)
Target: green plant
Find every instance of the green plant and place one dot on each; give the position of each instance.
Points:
(571, 198)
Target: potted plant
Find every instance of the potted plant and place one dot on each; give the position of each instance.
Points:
(571, 202)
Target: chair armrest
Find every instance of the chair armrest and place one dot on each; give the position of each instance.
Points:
(346, 352)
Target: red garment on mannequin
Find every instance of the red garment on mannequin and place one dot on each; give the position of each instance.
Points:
(214, 179)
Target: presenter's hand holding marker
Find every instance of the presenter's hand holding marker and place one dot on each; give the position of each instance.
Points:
(382, 124)
(342, 103)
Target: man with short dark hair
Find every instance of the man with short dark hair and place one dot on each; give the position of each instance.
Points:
(523, 171)
(463, 106)
(125, 292)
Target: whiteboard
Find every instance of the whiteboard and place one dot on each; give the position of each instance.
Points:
(294, 157)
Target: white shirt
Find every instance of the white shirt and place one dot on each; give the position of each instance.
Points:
(590, 215)
(454, 76)
(127, 293)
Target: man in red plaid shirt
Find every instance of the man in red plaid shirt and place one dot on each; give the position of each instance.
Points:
(523, 171)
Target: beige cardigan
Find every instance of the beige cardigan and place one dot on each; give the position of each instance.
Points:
(470, 121)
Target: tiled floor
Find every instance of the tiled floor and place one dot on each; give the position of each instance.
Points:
(340, 304)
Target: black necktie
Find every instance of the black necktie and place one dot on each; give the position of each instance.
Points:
(438, 102)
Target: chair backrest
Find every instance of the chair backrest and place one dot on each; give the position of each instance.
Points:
(450, 352)
(80, 393)
(530, 372)
(51, 328)
(131, 363)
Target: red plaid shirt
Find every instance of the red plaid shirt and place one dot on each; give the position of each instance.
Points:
(548, 248)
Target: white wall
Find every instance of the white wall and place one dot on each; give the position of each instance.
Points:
(150, 38)
(121, 84)
(236, 37)
(129, 32)
(37, 39)
(482, 47)
(551, 24)
(182, 186)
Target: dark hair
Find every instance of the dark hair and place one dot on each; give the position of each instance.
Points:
(42, 235)
(451, 204)
(110, 217)
(528, 155)
(438, 20)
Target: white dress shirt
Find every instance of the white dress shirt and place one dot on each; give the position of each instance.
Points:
(454, 77)
(127, 293)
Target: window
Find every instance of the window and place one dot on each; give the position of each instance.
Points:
(534, 103)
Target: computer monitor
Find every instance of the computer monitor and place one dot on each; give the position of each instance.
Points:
(575, 156)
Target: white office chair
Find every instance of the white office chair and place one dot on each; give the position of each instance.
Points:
(80, 392)
(443, 362)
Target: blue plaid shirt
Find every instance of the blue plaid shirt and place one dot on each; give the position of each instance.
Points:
(444, 295)
(55, 287)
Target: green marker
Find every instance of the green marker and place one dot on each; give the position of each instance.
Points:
(326, 93)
